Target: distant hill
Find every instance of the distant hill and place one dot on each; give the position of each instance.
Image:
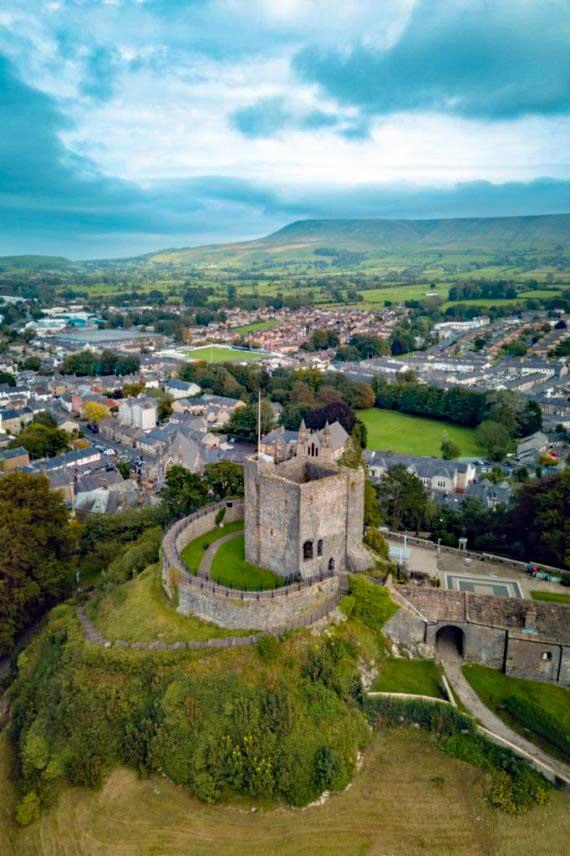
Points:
(314, 246)
(354, 242)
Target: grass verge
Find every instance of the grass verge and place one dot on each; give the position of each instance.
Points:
(551, 596)
(420, 677)
(229, 568)
(138, 611)
(493, 687)
(193, 553)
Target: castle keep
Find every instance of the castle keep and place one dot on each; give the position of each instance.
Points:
(304, 516)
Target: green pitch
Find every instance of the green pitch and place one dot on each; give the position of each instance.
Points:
(389, 430)
(218, 354)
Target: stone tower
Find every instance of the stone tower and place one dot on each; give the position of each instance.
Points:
(304, 516)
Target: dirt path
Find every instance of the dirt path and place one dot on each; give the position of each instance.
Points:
(452, 664)
(208, 558)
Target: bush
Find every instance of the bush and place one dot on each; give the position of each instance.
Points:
(28, 809)
(539, 721)
(370, 603)
(515, 786)
(220, 516)
(374, 539)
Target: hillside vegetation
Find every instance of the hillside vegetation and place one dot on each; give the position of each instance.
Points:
(373, 244)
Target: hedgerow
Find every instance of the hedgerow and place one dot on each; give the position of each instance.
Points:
(514, 785)
(539, 721)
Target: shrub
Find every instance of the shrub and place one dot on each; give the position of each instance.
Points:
(539, 721)
(220, 516)
(28, 809)
(327, 769)
(268, 648)
(370, 603)
(374, 539)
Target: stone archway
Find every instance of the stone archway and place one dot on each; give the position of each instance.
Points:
(450, 640)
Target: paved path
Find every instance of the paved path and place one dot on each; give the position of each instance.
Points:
(452, 663)
(206, 563)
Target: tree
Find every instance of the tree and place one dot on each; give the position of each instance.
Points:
(7, 378)
(337, 411)
(224, 479)
(184, 493)
(243, 421)
(41, 441)
(449, 449)
(35, 559)
(164, 406)
(82, 364)
(93, 412)
(402, 499)
(530, 419)
(494, 438)
(124, 469)
(320, 340)
(540, 519)
(31, 364)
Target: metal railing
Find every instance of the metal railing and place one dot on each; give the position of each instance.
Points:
(172, 559)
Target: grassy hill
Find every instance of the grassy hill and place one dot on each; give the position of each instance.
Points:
(358, 243)
(313, 246)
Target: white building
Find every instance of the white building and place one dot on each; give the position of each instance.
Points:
(138, 413)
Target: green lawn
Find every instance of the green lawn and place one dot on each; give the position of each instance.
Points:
(218, 354)
(401, 293)
(255, 327)
(230, 568)
(551, 596)
(420, 677)
(139, 611)
(493, 687)
(389, 430)
(193, 553)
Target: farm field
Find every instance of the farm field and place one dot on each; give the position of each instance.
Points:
(378, 815)
(138, 611)
(229, 568)
(400, 675)
(218, 354)
(389, 430)
(401, 293)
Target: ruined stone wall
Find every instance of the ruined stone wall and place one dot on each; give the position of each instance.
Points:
(270, 613)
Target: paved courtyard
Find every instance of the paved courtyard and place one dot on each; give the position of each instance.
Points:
(459, 572)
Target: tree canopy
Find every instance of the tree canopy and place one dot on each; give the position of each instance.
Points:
(35, 559)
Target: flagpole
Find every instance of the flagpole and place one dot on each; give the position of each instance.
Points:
(258, 422)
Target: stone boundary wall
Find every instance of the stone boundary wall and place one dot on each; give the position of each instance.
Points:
(471, 554)
(277, 610)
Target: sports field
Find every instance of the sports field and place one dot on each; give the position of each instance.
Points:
(389, 430)
(255, 327)
(221, 354)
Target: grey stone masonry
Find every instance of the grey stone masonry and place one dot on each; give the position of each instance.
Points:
(299, 604)
(303, 517)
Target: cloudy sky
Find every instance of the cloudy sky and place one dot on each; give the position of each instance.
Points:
(132, 125)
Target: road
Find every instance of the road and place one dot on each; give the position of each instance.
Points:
(97, 440)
